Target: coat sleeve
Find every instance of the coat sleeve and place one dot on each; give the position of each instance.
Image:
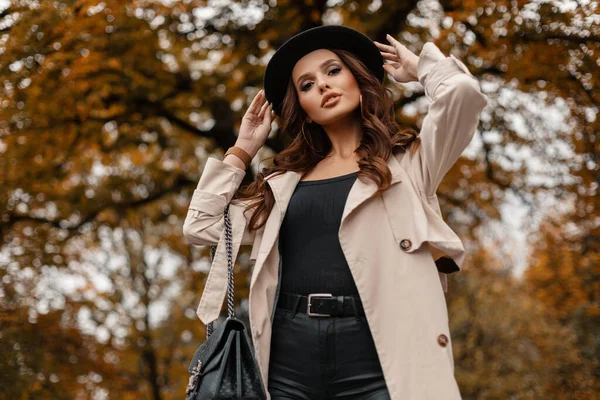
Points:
(453, 116)
(205, 218)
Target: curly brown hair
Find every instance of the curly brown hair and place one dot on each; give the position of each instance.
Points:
(381, 133)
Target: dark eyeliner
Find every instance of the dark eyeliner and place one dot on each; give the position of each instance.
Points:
(302, 88)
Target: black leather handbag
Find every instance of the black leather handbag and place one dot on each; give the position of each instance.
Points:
(224, 366)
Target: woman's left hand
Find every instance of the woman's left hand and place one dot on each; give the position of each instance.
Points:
(404, 62)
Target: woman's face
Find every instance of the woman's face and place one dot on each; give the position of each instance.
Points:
(321, 73)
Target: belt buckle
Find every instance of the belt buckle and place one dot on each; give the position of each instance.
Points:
(310, 296)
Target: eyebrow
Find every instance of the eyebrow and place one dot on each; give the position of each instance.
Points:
(323, 64)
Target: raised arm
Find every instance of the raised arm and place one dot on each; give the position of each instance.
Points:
(453, 116)
(221, 179)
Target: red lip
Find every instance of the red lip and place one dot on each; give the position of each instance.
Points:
(329, 96)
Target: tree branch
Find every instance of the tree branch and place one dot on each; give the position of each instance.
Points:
(8, 219)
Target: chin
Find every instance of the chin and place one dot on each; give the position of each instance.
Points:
(334, 115)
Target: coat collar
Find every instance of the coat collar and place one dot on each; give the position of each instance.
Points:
(283, 187)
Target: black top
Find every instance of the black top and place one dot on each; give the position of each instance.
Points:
(312, 258)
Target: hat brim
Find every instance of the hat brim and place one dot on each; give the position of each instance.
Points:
(280, 66)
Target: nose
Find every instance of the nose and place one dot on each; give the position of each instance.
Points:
(323, 84)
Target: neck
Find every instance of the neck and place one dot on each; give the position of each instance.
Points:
(345, 136)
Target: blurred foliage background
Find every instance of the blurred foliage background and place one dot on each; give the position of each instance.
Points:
(109, 110)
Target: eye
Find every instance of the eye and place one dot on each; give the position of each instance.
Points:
(306, 86)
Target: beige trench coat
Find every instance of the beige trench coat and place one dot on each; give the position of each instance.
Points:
(390, 241)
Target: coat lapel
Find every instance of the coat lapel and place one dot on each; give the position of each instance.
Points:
(362, 191)
(283, 187)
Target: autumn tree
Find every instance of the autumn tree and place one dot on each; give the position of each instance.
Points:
(110, 109)
(507, 344)
(565, 277)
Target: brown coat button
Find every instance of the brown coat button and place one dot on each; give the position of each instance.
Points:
(443, 340)
(405, 244)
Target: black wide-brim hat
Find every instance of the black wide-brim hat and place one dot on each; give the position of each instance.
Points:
(280, 66)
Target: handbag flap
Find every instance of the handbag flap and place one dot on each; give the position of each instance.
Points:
(210, 348)
(220, 356)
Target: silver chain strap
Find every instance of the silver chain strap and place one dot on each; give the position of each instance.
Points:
(197, 370)
(230, 287)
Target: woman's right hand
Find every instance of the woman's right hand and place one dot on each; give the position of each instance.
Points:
(256, 124)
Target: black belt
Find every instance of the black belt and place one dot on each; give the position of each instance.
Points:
(321, 304)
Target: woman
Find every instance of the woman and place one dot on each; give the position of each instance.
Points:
(350, 303)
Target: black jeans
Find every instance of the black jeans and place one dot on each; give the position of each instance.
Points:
(322, 358)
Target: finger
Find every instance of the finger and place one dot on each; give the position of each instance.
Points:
(391, 57)
(385, 47)
(392, 39)
(262, 110)
(268, 114)
(391, 68)
(254, 106)
(397, 45)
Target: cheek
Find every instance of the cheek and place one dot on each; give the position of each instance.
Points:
(351, 84)
(308, 102)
